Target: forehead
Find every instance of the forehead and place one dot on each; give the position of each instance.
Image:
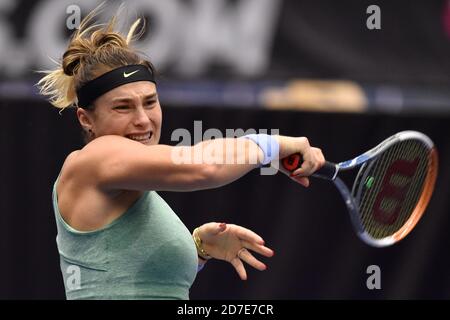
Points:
(131, 90)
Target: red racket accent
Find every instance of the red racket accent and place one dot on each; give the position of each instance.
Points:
(292, 162)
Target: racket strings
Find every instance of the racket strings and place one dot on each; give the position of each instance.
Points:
(393, 184)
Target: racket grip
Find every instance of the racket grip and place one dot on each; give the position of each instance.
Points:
(328, 171)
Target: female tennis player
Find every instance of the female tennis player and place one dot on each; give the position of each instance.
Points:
(117, 238)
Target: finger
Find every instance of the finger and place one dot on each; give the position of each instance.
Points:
(306, 169)
(213, 228)
(321, 157)
(240, 269)
(220, 227)
(245, 234)
(262, 250)
(304, 181)
(246, 256)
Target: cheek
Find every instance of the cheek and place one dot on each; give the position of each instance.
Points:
(157, 117)
(113, 125)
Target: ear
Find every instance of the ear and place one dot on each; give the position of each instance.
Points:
(85, 119)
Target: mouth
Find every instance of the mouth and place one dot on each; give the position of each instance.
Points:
(141, 137)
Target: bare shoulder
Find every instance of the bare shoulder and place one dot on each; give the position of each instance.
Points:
(68, 165)
(104, 143)
(80, 169)
(98, 147)
(83, 164)
(71, 177)
(82, 204)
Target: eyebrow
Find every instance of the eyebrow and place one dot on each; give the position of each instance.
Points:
(147, 97)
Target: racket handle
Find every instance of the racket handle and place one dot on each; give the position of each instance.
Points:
(328, 171)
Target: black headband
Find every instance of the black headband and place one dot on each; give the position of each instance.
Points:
(112, 79)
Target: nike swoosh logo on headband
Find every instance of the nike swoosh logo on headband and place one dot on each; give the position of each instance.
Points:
(126, 75)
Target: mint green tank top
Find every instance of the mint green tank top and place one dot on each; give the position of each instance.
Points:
(146, 253)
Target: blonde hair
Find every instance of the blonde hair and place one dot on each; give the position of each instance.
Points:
(92, 51)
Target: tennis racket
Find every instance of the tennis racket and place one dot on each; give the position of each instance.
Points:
(392, 188)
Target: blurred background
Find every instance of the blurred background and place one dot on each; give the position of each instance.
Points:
(344, 73)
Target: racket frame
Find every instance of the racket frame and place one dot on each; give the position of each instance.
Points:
(362, 160)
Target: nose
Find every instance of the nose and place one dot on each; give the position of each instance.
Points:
(141, 118)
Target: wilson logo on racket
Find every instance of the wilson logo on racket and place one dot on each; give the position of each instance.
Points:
(394, 191)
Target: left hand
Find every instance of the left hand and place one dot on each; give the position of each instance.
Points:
(230, 242)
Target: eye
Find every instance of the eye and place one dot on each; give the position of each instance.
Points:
(149, 103)
(124, 107)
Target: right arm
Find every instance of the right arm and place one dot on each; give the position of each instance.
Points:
(118, 163)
